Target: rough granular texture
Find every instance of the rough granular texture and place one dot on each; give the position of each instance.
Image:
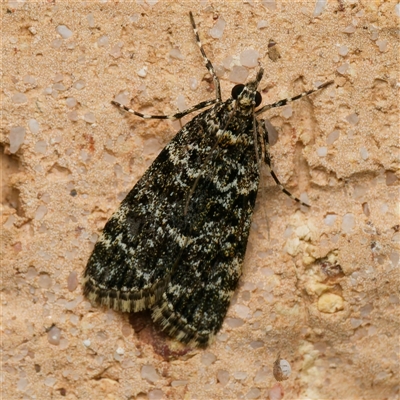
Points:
(69, 159)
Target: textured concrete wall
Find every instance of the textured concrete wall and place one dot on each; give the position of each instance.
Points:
(321, 289)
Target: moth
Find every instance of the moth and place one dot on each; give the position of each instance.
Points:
(177, 242)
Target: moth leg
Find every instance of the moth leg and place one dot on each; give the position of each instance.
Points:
(172, 117)
(267, 159)
(207, 62)
(283, 102)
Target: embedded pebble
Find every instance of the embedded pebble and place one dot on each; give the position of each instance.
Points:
(208, 358)
(217, 30)
(330, 303)
(16, 137)
(364, 153)
(156, 394)
(366, 310)
(349, 29)
(29, 80)
(90, 20)
(22, 384)
(73, 116)
(352, 119)
(238, 74)
(322, 151)
(34, 126)
(222, 377)
(50, 381)
(63, 31)
(242, 311)
(343, 68)
(142, 72)
(287, 112)
(332, 137)
(72, 282)
(397, 9)
(348, 223)
(102, 41)
(41, 211)
(19, 98)
(330, 219)
(149, 373)
(343, 51)
(270, 4)
(53, 336)
(41, 147)
(355, 323)
(176, 54)
(262, 24)
(281, 370)
(79, 84)
(276, 393)
(89, 117)
(44, 281)
(249, 58)
(382, 45)
(193, 83)
(253, 393)
(240, 375)
(319, 7)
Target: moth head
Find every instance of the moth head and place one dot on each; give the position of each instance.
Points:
(247, 95)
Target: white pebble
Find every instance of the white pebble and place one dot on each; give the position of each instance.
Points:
(142, 72)
(41, 147)
(115, 51)
(176, 54)
(287, 112)
(50, 381)
(34, 126)
(217, 30)
(120, 351)
(29, 80)
(156, 394)
(208, 358)
(364, 153)
(149, 373)
(53, 336)
(181, 102)
(240, 375)
(73, 116)
(193, 83)
(355, 323)
(63, 31)
(343, 51)
(343, 68)
(234, 322)
(319, 7)
(382, 44)
(262, 24)
(79, 84)
(19, 98)
(349, 29)
(41, 211)
(223, 376)
(270, 4)
(397, 9)
(238, 74)
(253, 393)
(71, 102)
(87, 342)
(348, 223)
(352, 119)
(16, 137)
(102, 41)
(322, 151)
(330, 219)
(89, 117)
(44, 281)
(332, 137)
(249, 58)
(22, 384)
(56, 43)
(90, 20)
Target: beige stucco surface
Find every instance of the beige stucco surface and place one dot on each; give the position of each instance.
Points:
(338, 328)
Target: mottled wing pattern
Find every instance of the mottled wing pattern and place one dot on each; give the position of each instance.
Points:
(176, 245)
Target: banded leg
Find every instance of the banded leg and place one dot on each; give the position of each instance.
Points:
(207, 62)
(172, 117)
(283, 102)
(267, 159)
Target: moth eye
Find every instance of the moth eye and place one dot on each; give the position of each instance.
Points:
(258, 99)
(236, 90)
